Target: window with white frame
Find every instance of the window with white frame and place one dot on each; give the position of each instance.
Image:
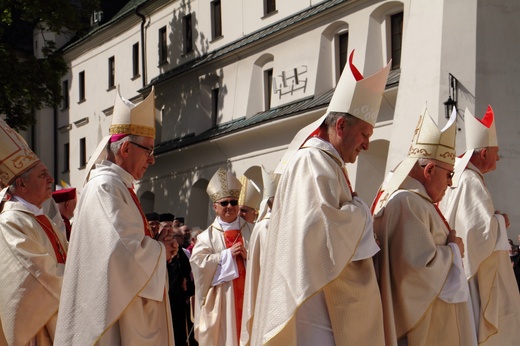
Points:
(111, 72)
(396, 39)
(216, 19)
(188, 34)
(163, 46)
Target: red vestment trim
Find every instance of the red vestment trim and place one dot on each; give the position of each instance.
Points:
(59, 251)
(232, 237)
(138, 205)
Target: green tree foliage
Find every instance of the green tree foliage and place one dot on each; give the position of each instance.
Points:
(28, 83)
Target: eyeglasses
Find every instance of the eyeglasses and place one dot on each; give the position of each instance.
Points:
(451, 172)
(450, 176)
(150, 151)
(233, 203)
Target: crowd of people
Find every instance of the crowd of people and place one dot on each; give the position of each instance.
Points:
(304, 262)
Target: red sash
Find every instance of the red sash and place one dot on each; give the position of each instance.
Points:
(442, 217)
(232, 237)
(68, 227)
(59, 251)
(138, 205)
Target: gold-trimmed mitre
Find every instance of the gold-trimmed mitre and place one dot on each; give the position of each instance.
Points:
(223, 184)
(250, 195)
(131, 119)
(15, 155)
(428, 142)
(270, 180)
(480, 133)
(431, 143)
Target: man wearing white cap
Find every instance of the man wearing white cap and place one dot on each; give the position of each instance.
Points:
(32, 249)
(218, 265)
(115, 284)
(423, 289)
(255, 253)
(468, 207)
(319, 285)
(249, 200)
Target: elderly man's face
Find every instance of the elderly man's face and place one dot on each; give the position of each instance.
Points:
(138, 158)
(38, 185)
(440, 175)
(225, 210)
(247, 213)
(490, 162)
(352, 138)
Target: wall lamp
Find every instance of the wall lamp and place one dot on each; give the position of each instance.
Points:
(452, 97)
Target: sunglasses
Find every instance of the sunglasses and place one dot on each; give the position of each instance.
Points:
(233, 203)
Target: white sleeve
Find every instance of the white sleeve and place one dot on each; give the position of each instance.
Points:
(227, 269)
(367, 246)
(502, 242)
(455, 289)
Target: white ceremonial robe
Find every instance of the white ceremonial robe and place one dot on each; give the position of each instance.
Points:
(30, 278)
(317, 229)
(214, 323)
(254, 266)
(494, 293)
(115, 283)
(423, 289)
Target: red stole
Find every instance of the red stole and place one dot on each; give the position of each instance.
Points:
(138, 205)
(59, 251)
(68, 228)
(232, 237)
(442, 217)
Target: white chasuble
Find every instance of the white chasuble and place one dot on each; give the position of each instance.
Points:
(317, 228)
(215, 323)
(414, 267)
(30, 280)
(115, 283)
(494, 293)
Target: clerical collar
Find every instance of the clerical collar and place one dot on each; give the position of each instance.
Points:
(229, 226)
(32, 208)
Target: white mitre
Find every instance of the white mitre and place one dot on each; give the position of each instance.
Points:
(15, 155)
(479, 134)
(127, 119)
(270, 181)
(355, 95)
(223, 184)
(428, 142)
(250, 195)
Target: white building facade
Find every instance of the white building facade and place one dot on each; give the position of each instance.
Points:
(236, 79)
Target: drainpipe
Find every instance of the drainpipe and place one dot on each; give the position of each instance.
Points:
(143, 62)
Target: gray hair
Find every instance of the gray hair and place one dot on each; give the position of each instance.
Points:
(332, 117)
(114, 147)
(24, 176)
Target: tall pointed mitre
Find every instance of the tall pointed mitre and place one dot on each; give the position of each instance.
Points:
(270, 180)
(223, 184)
(131, 119)
(428, 142)
(15, 155)
(250, 194)
(127, 119)
(480, 133)
(358, 96)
